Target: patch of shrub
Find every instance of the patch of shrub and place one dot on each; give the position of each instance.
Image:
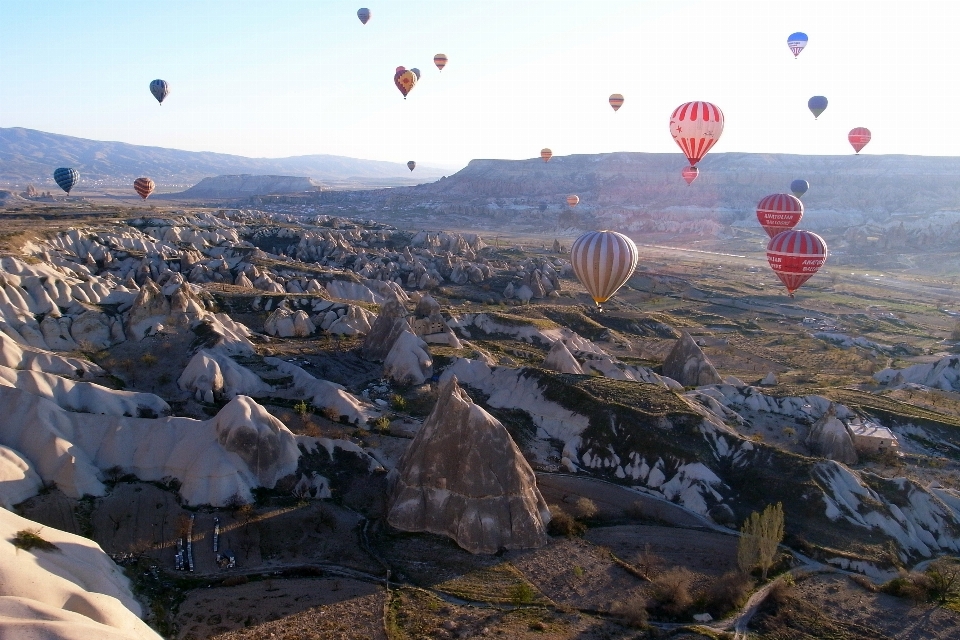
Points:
(302, 408)
(585, 508)
(914, 586)
(28, 539)
(381, 424)
(522, 593)
(632, 612)
(726, 593)
(671, 592)
(398, 402)
(234, 581)
(564, 524)
(148, 359)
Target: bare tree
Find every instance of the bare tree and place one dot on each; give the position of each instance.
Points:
(760, 536)
(944, 574)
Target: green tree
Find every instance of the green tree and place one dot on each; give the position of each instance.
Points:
(760, 536)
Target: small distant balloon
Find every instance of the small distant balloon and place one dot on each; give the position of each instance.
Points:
(440, 60)
(696, 127)
(160, 90)
(573, 200)
(817, 105)
(779, 212)
(603, 261)
(546, 154)
(690, 174)
(364, 15)
(416, 72)
(616, 101)
(797, 41)
(859, 137)
(405, 80)
(144, 187)
(795, 256)
(799, 187)
(66, 178)
(411, 165)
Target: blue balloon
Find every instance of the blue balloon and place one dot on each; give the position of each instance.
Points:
(67, 178)
(364, 15)
(797, 41)
(817, 105)
(160, 90)
(799, 187)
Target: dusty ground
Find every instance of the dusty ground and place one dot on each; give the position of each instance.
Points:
(832, 606)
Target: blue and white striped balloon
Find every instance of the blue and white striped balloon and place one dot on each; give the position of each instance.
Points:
(160, 90)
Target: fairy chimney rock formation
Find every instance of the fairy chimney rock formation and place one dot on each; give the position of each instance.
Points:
(390, 323)
(463, 477)
(560, 359)
(688, 365)
(829, 438)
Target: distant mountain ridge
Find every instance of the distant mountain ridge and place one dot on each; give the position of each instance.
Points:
(30, 156)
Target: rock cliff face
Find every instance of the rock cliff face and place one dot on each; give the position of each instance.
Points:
(830, 439)
(688, 365)
(464, 477)
(248, 185)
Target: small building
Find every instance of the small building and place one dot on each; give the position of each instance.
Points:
(870, 437)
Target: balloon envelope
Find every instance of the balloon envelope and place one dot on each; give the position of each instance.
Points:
(799, 187)
(696, 127)
(160, 90)
(144, 186)
(817, 105)
(364, 15)
(66, 178)
(779, 212)
(546, 154)
(797, 41)
(690, 174)
(573, 200)
(411, 165)
(603, 262)
(416, 72)
(795, 256)
(405, 80)
(440, 60)
(616, 101)
(859, 137)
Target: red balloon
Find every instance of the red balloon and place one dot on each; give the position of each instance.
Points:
(144, 187)
(779, 212)
(696, 127)
(859, 138)
(690, 174)
(795, 256)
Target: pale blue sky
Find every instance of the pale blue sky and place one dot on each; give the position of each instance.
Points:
(286, 77)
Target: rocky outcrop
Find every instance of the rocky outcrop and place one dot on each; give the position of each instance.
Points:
(688, 365)
(465, 478)
(248, 185)
(408, 362)
(211, 376)
(560, 359)
(829, 438)
(390, 323)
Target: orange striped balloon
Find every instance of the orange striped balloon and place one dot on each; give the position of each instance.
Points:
(616, 101)
(144, 186)
(573, 200)
(546, 154)
(603, 262)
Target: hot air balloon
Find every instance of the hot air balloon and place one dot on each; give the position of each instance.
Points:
(690, 174)
(817, 105)
(405, 80)
(573, 200)
(603, 261)
(144, 186)
(616, 101)
(363, 14)
(799, 187)
(796, 41)
(859, 138)
(416, 72)
(795, 256)
(440, 60)
(67, 178)
(411, 165)
(779, 212)
(696, 127)
(160, 90)
(546, 154)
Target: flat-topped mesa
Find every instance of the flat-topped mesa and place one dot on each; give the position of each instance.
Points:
(465, 478)
(688, 365)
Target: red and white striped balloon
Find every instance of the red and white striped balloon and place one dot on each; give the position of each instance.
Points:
(603, 262)
(795, 256)
(696, 127)
(779, 212)
(859, 137)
